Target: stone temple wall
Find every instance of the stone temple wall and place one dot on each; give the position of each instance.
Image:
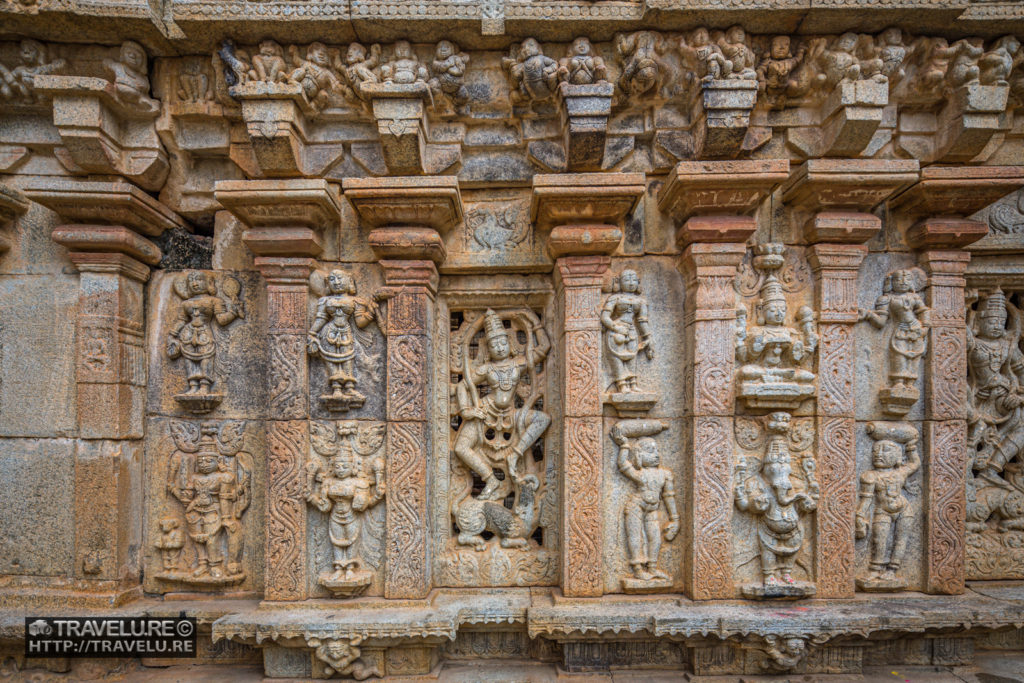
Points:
(516, 340)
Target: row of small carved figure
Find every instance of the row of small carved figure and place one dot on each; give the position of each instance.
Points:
(652, 64)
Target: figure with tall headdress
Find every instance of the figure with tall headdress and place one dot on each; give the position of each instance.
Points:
(772, 352)
(492, 421)
(624, 319)
(996, 377)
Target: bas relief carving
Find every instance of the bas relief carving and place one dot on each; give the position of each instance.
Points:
(653, 487)
(346, 483)
(340, 336)
(207, 302)
(501, 476)
(780, 501)
(209, 478)
(995, 437)
(773, 357)
(901, 308)
(627, 334)
(884, 513)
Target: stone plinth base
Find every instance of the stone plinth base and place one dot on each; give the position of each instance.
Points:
(791, 591)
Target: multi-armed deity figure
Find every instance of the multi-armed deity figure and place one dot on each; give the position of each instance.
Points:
(341, 317)
(996, 380)
(902, 305)
(192, 334)
(772, 352)
(347, 491)
(214, 484)
(770, 495)
(624, 318)
(652, 486)
(493, 428)
(891, 521)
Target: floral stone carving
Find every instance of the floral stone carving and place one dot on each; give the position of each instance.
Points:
(348, 488)
(206, 301)
(211, 478)
(338, 332)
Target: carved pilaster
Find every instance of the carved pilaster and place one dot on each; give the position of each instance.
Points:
(284, 220)
(712, 202)
(407, 215)
(834, 198)
(12, 204)
(940, 198)
(113, 261)
(586, 210)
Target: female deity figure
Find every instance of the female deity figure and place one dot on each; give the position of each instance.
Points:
(192, 336)
(624, 318)
(901, 303)
(340, 318)
(346, 493)
(772, 498)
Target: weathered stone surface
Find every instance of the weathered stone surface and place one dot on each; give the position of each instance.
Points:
(522, 340)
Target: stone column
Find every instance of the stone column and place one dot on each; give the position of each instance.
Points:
(713, 202)
(584, 212)
(942, 197)
(285, 219)
(12, 204)
(113, 259)
(406, 215)
(834, 198)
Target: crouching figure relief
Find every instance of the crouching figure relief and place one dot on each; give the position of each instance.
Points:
(348, 488)
(653, 485)
(779, 506)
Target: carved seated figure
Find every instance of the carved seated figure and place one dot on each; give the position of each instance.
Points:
(892, 519)
(772, 352)
(314, 74)
(404, 68)
(131, 81)
(581, 66)
(707, 58)
(532, 74)
(771, 497)
(449, 72)
(774, 73)
(268, 65)
(19, 81)
(739, 55)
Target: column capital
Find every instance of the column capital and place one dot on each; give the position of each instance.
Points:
(715, 230)
(945, 233)
(701, 188)
(410, 273)
(957, 190)
(711, 260)
(427, 201)
(582, 271)
(842, 227)
(285, 270)
(410, 243)
(108, 249)
(847, 184)
(589, 199)
(115, 203)
(836, 257)
(568, 241)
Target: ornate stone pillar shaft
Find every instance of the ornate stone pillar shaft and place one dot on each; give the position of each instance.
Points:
(835, 196)
(113, 261)
(284, 220)
(942, 197)
(713, 203)
(406, 215)
(585, 212)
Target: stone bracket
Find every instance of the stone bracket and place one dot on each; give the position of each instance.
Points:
(275, 117)
(101, 134)
(850, 116)
(585, 110)
(971, 116)
(400, 113)
(721, 117)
